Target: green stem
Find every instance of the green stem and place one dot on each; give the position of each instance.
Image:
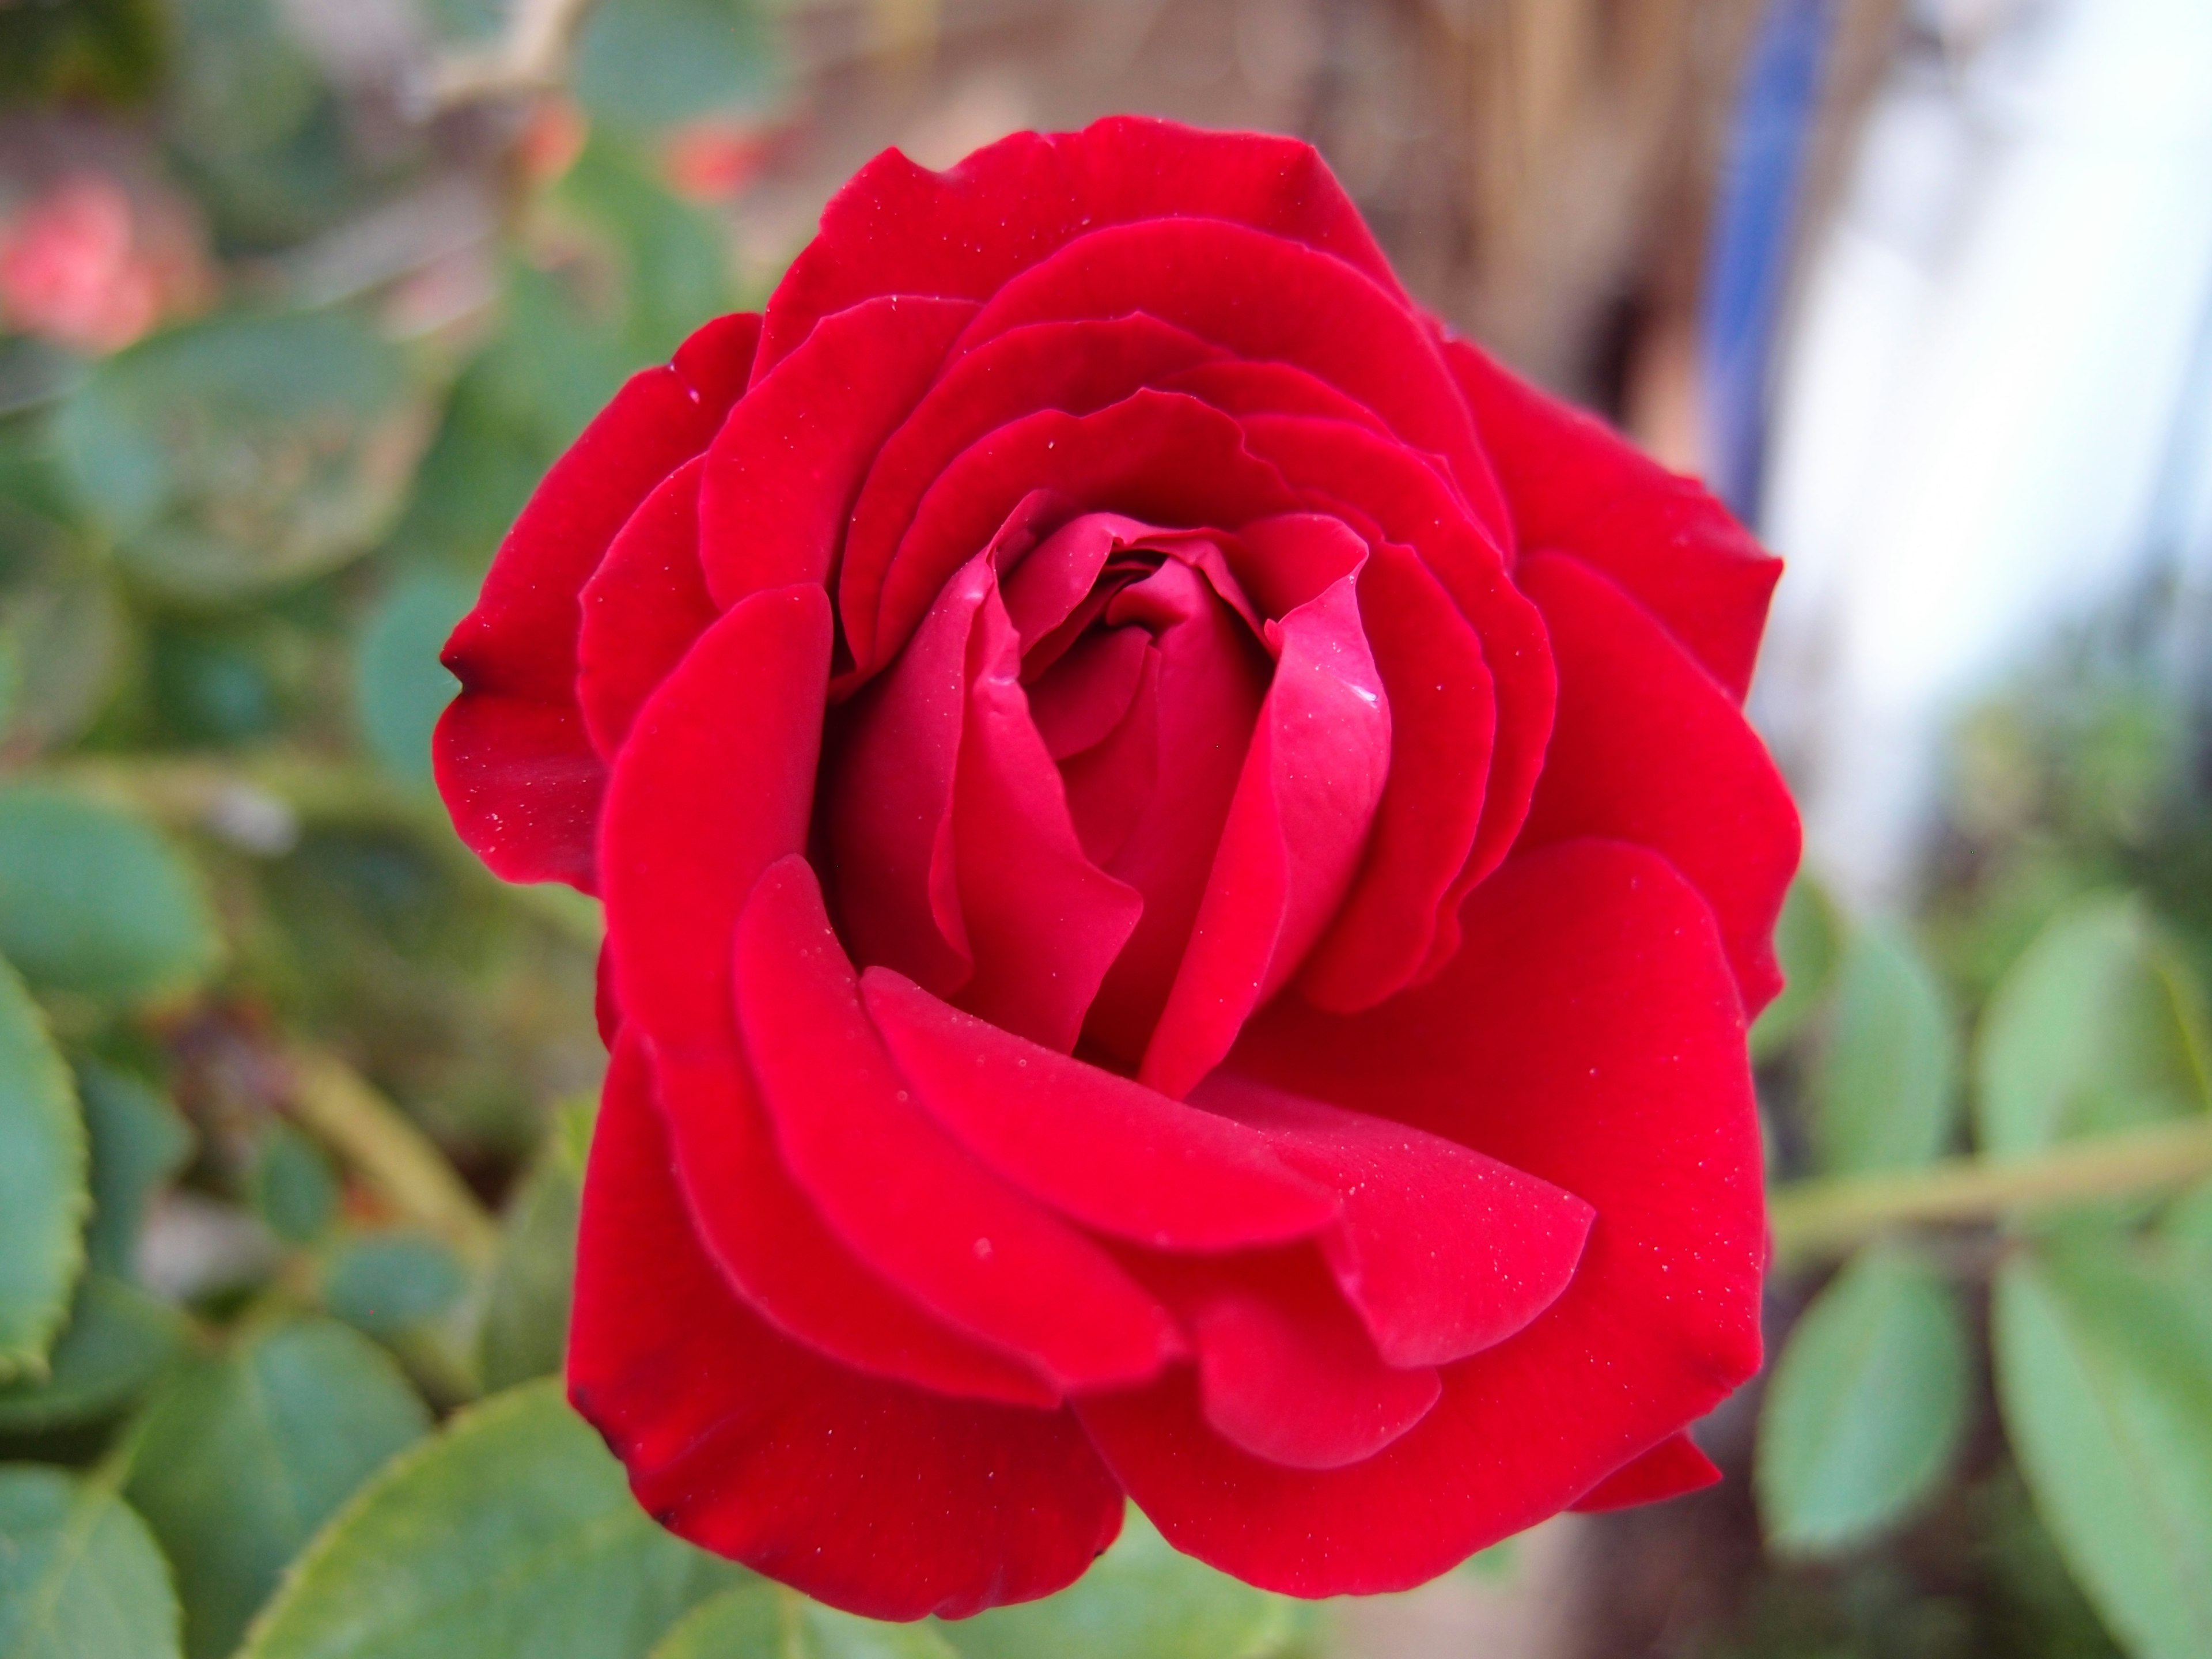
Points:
(1827, 1218)
(398, 1160)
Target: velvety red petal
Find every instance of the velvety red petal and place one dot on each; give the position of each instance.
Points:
(1320, 314)
(1076, 367)
(1044, 923)
(1161, 456)
(642, 609)
(1292, 838)
(1104, 1151)
(1577, 487)
(884, 1500)
(1443, 722)
(715, 784)
(1443, 1251)
(523, 784)
(1239, 386)
(1347, 469)
(1285, 1372)
(911, 1203)
(1670, 1469)
(785, 467)
(1589, 1033)
(775, 1251)
(1650, 748)
(900, 228)
(513, 763)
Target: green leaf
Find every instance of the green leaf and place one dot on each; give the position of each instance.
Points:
(139, 1143)
(673, 266)
(61, 631)
(651, 63)
(744, 1623)
(1883, 1087)
(389, 1284)
(513, 1532)
(244, 1455)
(1866, 1407)
(93, 901)
(1807, 938)
(1142, 1597)
(246, 450)
(118, 1341)
(525, 1321)
(80, 1577)
(399, 687)
(43, 1192)
(294, 1188)
(2104, 1371)
(2098, 1027)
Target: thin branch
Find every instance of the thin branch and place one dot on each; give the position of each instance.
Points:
(374, 1137)
(1826, 1217)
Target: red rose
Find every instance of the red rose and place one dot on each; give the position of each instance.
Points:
(1184, 879)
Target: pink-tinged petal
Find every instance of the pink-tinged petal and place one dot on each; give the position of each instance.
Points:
(1284, 1371)
(1292, 840)
(1577, 487)
(1076, 367)
(1443, 721)
(899, 228)
(513, 761)
(886, 1501)
(1160, 456)
(1104, 1151)
(1650, 748)
(642, 609)
(715, 784)
(1043, 922)
(772, 1251)
(1080, 706)
(1670, 1469)
(785, 467)
(911, 1204)
(523, 784)
(1348, 469)
(1321, 314)
(1588, 1033)
(1443, 1251)
(1047, 587)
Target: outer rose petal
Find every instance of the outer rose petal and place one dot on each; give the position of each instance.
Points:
(1576, 487)
(1669, 1469)
(899, 228)
(642, 609)
(513, 762)
(1649, 748)
(885, 1500)
(1589, 1033)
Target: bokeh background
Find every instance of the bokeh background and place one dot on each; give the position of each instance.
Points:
(298, 297)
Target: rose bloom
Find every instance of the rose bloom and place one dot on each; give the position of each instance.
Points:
(72, 268)
(1184, 876)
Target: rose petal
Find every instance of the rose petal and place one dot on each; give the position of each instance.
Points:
(899, 228)
(642, 609)
(1444, 720)
(1650, 748)
(885, 1501)
(1322, 315)
(1285, 1372)
(1104, 1151)
(1577, 487)
(513, 762)
(784, 469)
(889, 1181)
(1669, 1469)
(1588, 1033)
(1444, 1252)
(1292, 838)
(1159, 457)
